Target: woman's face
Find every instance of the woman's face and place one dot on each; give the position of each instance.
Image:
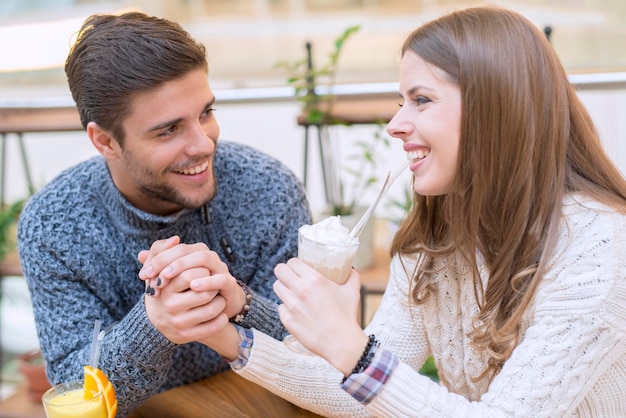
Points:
(429, 124)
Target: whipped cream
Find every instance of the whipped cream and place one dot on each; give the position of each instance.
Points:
(328, 247)
(329, 231)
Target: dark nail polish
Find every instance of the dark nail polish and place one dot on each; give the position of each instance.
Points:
(152, 291)
(158, 282)
(147, 289)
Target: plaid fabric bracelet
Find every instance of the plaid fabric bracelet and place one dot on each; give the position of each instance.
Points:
(367, 385)
(238, 319)
(247, 339)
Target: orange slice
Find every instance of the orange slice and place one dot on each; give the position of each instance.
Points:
(96, 381)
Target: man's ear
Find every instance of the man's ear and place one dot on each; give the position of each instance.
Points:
(103, 141)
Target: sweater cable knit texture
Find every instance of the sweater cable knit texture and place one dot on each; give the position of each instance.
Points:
(570, 362)
(78, 243)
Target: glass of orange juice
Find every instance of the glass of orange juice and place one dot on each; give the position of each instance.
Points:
(71, 400)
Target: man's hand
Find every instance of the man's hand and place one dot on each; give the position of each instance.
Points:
(183, 315)
(171, 268)
(168, 258)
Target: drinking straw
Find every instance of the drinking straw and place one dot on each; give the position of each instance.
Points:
(95, 345)
(358, 228)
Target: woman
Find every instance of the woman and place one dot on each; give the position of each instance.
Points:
(510, 269)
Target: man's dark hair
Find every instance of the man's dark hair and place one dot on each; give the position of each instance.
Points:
(116, 57)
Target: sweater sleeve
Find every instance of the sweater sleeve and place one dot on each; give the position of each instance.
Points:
(305, 380)
(311, 382)
(134, 355)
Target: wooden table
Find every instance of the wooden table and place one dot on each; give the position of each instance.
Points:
(223, 395)
(10, 265)
(19, 405)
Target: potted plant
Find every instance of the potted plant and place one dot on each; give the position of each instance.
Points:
(8, 221)
(308, 80)
(346, 182)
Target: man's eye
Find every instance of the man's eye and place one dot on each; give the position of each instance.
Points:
(169, 131)
(208, 112)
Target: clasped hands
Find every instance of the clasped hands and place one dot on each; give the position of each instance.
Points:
(195, 295)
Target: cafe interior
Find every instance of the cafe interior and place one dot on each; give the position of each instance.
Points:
(250, 44)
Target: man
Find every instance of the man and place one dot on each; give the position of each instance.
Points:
(140, 85)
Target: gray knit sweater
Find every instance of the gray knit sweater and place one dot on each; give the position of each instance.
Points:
(78, 244)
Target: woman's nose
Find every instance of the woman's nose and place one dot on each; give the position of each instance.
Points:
(399, 126)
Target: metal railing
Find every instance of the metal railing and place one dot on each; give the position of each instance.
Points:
(583, 81)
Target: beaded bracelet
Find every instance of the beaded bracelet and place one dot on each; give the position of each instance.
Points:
(366, 357)
(238, 319)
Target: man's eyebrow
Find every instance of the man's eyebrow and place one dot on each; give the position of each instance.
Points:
(169, 123)
(165, 124)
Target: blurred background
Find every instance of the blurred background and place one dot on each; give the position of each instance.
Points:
(245, 40)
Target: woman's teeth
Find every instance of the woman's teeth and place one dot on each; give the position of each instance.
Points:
(195, 170)
(417, 155)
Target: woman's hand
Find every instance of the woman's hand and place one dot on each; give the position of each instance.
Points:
(321, 314)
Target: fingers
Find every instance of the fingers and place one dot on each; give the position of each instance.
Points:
(289, 273)
(188, 316)
(157, 247)
(228, 288)
(160, 256)
(295, 276)
(216, 282)
(145, 256)
(171, 262)
(313, 307)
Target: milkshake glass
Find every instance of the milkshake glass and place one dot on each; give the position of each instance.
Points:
(328, 248)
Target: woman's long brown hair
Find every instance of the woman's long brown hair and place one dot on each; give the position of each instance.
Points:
(526, 141)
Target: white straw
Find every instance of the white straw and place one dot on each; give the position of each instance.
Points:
(95, 345)
(358, 228)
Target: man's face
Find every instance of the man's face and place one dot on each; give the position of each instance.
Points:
(166, 163)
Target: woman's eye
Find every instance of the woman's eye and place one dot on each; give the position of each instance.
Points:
(420, 100)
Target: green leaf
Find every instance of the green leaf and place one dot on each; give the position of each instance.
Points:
(429, 369)
(8, 218)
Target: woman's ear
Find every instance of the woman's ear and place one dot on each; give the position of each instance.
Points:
(104, 142)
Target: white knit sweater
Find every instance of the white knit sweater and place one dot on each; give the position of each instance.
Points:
(571, 361)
